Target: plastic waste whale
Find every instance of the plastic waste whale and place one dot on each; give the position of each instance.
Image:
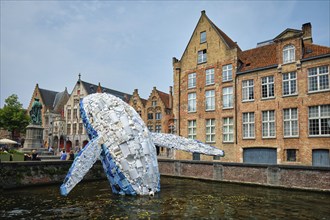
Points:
(126, 148)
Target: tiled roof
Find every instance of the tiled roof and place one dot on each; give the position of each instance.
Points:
(258, 58)
(313, 50)
(227, 39)
(91, 88)
(164, 97)
(48, 97)
(144, 101)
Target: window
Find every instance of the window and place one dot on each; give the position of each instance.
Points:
(154, 103)
(268, 124)
(203, 37)
(227, 97)
(191, 80)
(158, 128)
(150, 116)
(209, 77)
(209, 100)
(80, 129)
(267, 87)
(291, 155)
(289, 83)
(227, 73)
(192, 102)
(290, 120)
(171, 129)
(248, 125)
(202, 56)
(158, 116)
(69, 114)
(74, 128)
(75, 115)
(68, 129)
(319, 120)
(192, 129)
(318, 79)
(150, 128)
(288, 54)
(139, 112)
(76, 102)
(210, 130)
(248, 90)
(228, 130)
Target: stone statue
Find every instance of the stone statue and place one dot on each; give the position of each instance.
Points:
(35, 112)
(126, 148)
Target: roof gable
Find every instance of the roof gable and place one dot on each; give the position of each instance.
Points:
(288, 33)
(92, 88)
(224, 38)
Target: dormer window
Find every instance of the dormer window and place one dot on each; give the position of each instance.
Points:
(203, 37)
(288, 54)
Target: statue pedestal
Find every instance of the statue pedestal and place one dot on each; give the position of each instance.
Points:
(34, 137)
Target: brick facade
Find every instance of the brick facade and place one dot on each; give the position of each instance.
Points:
(255, 65)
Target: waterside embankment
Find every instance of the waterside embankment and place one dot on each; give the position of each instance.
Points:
(28, 173)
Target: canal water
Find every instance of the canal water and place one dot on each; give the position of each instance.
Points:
(178, 199)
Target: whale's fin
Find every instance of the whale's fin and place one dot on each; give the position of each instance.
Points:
(80, 166)
(181, 143)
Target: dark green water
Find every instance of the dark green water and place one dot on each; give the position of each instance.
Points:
(178, 199)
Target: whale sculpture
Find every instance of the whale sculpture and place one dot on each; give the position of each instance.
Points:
(126, 148)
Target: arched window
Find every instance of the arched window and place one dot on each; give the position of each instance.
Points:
(288, 54)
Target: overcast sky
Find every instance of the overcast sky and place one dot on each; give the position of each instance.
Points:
(128, 45)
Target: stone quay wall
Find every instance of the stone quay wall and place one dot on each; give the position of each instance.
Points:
(29, 173)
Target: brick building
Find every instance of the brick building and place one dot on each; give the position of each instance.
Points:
(52, 109)
(75, 136)
(270, 104)
(157, 114)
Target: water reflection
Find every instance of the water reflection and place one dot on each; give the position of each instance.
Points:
(178, 199)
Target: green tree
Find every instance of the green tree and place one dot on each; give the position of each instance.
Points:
(12, 116)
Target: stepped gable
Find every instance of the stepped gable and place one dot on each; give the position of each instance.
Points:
(164, 97)
(48, 97)
(92, 88)
(259, 57)
(313, 50)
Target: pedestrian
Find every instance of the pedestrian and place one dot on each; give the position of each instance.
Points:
(51, 150)
(71, 155)
(34, 155)
(63, 155)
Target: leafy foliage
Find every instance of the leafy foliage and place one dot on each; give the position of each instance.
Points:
(12, 115)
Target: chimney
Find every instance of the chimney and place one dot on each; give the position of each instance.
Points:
(136, 91)
(203, 12)
(99, 88)
(307, 33)
(171, 98)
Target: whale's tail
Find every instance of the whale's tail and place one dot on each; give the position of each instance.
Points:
(181, 143)
(81, 165)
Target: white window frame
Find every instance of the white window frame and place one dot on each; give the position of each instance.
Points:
(158, 115)
(270, 123)
(247, 90)
(158, 128)
(209, 100)
(202, 56)
(289, 54)
(228, 130)
(268, 84)
(210, 131)
(203, 37)
(290, 81)
(319, 117)
(209, 77)
(227, 97)
(191, 80)
(150, 128)
(227, 73)
(319, 75)
(290, 119)
(154, 103)
(192, 129)
(192, 102)
(248, 123)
